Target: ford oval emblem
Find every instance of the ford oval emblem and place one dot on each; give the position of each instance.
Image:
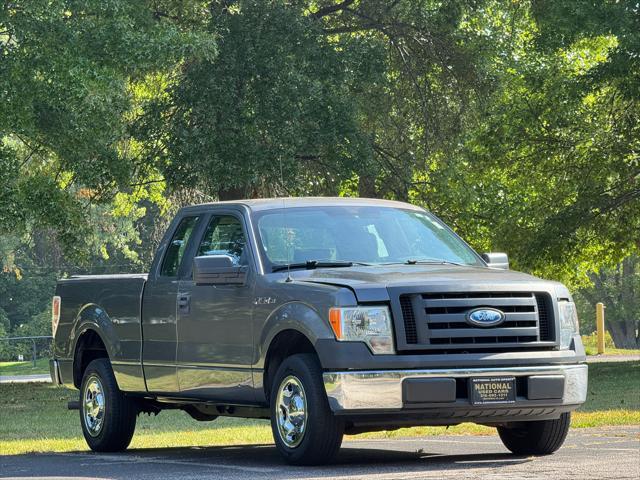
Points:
(485, 317)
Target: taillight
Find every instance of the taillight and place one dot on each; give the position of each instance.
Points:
(55, 314)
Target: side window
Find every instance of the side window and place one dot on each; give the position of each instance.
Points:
(224, 236)
(178, 245)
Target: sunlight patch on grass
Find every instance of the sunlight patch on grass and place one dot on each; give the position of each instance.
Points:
(25, 368)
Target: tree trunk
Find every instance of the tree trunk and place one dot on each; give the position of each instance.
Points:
(367, 186)
(618, 289)
(402, 193)
(623, 334)
(233, 193)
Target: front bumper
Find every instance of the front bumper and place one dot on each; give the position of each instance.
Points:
(556, 387)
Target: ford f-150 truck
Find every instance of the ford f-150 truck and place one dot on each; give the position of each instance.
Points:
(327, 316)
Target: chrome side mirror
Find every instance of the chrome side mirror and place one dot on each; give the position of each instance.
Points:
(496, 260)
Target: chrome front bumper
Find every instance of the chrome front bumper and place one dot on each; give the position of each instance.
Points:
(382, 390)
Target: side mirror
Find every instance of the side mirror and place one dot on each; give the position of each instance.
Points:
(496, 260)
(218, 270)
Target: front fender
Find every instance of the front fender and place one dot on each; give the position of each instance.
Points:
(297, 316)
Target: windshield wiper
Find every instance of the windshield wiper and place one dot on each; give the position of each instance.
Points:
(436, 261)
(427, 261)
(312, 264)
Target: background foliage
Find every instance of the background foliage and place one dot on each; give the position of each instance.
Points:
(517, 122)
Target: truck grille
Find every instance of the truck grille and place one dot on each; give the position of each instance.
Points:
(544, 317)
(437, 321)
(409, 319)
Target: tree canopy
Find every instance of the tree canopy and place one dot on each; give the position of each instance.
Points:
(517, 122)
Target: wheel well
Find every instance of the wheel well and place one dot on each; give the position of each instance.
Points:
(285, 344)
(90, 346)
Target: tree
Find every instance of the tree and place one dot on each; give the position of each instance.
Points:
(516, 122)
(272, 107)
(548, 163)
(71, 76)
(413, 118)
(619, 289)
(304, 97)
(67, 90)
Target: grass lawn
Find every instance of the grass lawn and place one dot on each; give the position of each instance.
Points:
(24, 368)
(593, 350)
(33, 417)
(590, 343)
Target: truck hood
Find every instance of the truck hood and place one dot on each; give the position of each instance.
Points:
(373, 283)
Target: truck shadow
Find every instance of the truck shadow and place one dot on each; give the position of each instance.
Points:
(253, 462)
(264, 460)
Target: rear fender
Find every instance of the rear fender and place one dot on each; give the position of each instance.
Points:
(93, 317)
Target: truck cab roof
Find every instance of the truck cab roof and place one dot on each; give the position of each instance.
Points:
(261, 204)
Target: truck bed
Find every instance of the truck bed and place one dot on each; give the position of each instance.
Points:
(114, 303)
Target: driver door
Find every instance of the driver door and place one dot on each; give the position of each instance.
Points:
(215, 331)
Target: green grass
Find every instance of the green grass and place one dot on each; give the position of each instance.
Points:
(590, 343)
(24, 368)
(34, 418)
(593, 350)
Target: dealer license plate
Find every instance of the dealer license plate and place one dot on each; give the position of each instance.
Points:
(493, 390)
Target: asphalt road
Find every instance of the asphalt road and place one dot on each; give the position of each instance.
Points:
(612, 358)
(612, 452)
(38, 378)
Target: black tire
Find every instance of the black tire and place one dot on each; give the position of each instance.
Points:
(114, 432)
(323, 431)
(536, 438)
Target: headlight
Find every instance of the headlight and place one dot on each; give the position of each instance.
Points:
(568, 323)
(371, 325)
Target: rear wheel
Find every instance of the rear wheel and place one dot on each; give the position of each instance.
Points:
(304, 429)
(107, 416)
(536, 438)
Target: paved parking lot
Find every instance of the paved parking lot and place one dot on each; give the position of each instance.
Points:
(612, 452)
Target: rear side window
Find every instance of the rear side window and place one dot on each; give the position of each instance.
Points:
(177, 246)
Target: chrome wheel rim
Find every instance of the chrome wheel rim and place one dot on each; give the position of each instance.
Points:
(93, 406)
(291, 411)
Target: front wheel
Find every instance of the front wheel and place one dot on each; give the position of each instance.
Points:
(541, 437)
(107, 416)
(304, 429)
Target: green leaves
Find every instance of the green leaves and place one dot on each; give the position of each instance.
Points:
(548, 163)
(64, 89)
(272, 106)
(517, 123)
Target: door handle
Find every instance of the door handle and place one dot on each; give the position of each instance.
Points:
(184, 303)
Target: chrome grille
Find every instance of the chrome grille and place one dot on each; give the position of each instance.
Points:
(437, 321)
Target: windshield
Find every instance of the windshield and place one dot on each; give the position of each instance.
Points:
(375, 235)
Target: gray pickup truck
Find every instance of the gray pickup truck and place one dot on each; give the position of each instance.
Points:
(327, 316)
